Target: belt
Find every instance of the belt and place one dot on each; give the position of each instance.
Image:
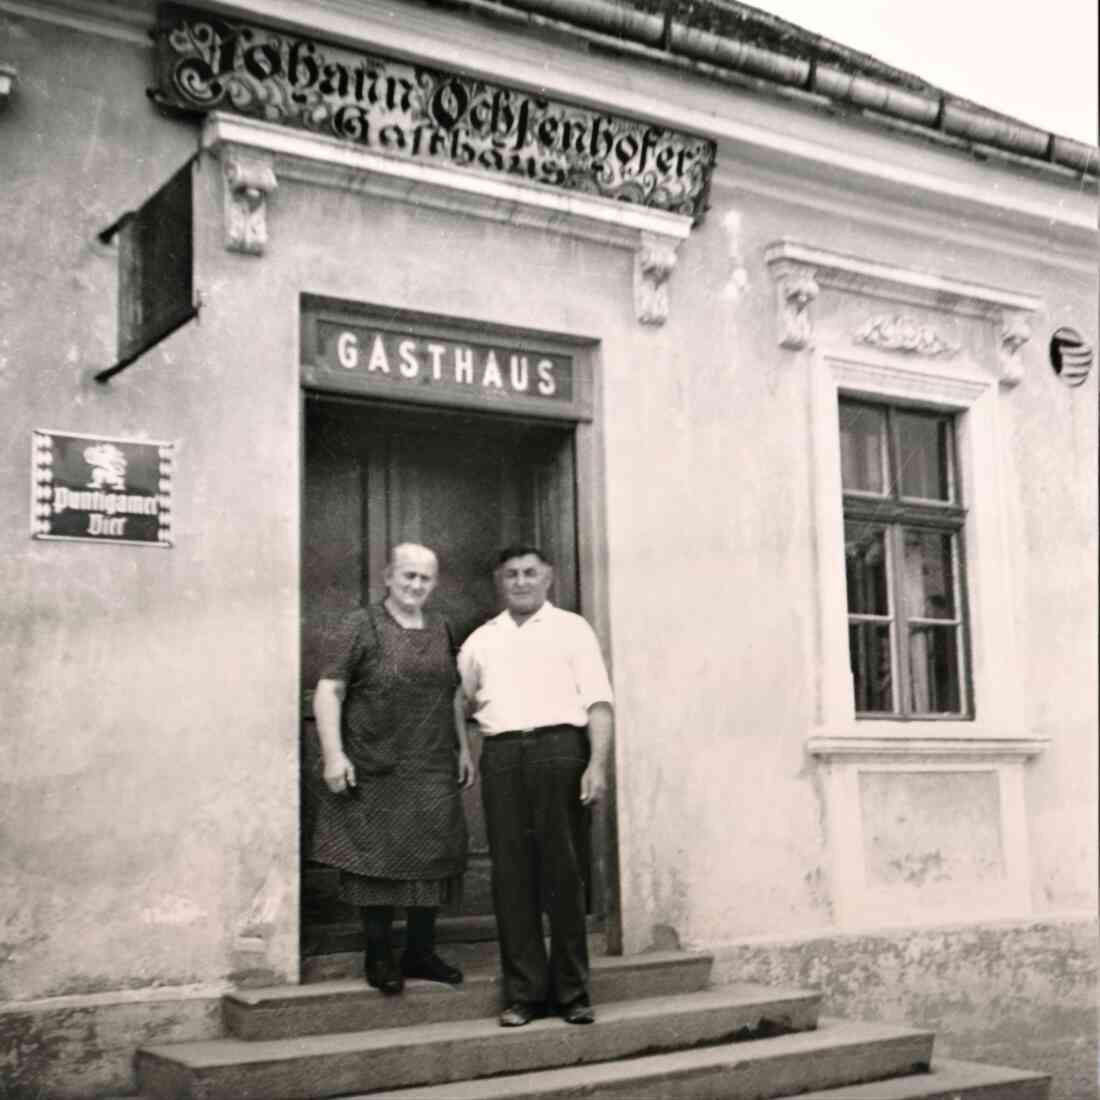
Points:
(533, 731)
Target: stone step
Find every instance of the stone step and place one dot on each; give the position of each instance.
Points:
(835, 1055)
(332, 937)
(350, 1005)
(343, 953)
(310, 1067)
(948, 1079)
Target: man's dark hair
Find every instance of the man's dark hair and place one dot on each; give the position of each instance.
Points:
(520, 550)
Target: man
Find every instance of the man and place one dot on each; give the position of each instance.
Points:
(535, 681)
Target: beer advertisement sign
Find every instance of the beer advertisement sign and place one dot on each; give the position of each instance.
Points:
(94, 488)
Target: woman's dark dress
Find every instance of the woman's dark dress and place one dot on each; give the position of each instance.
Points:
(399, 836)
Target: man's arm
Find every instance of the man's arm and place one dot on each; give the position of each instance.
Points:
(601, 728)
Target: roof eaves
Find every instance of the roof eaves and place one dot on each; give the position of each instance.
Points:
(729, 37)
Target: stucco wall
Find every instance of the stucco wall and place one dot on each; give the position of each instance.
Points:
(723, 830)
(148, 793)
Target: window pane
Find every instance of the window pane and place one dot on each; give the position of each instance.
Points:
(862, 436)
(928, 575)
(924, 455)
(934, 670)
(865, 563)
(869, 649)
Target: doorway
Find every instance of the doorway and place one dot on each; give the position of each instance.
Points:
(463, 483)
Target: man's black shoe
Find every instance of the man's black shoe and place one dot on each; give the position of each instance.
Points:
(579, 1012)
(519, 1014)
(430, 967)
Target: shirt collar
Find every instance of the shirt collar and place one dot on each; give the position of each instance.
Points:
(505, 617)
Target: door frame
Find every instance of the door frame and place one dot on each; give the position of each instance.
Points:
(584, 415)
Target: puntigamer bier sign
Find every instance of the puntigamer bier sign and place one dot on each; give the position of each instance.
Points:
(207, 62)
(98, 489)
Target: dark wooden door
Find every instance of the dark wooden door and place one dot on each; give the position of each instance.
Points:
(464, 485)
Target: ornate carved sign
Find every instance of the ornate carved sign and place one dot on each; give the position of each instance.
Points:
(98, 489)
(206, 63)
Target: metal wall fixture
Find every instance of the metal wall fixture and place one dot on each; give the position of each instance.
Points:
(1071, 356)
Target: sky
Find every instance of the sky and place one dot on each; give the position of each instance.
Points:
(1036, 61)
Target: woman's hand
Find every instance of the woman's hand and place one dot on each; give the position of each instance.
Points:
(467, 769)
(339, 772)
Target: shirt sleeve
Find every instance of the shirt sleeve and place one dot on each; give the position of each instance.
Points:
(593, 685)
(469, 671)
(343, 647)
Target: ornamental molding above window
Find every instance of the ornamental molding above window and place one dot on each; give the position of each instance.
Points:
(801, 271)
(904, 333)
(255, 155)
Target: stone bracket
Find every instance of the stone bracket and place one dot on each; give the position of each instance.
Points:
(795, 288)
(249, 178)
(1014, 330)
(654, 259)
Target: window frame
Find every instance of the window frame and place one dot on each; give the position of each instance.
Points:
(985, 470)
(896, 513)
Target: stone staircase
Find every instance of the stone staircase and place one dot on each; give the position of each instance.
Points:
(661, 1032)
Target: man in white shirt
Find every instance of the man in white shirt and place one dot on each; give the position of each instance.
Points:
(534, 679)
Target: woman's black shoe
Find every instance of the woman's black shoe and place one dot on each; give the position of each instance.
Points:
(430, 967)
(383, 974)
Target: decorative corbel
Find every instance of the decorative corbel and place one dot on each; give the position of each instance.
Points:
(795, 287)
(8, 76)
(1014, 330)
(654, 260)
(249, 179)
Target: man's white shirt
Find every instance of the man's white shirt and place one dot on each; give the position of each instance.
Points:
(547, 672)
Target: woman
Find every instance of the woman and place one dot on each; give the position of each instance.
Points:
(395, 760)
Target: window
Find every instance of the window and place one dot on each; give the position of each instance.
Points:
(903, 550)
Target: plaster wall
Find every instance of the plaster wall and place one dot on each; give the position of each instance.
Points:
(149, 801)
(723, 815)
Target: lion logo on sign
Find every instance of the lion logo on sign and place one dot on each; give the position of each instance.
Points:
(108, 466)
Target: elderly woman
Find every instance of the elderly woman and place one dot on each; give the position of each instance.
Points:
(395, 761)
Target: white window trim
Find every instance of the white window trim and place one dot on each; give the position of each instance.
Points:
(962, 387)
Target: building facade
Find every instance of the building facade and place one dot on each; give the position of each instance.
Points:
(783, 355)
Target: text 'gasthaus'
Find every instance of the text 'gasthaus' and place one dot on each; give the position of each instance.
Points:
(415, 359)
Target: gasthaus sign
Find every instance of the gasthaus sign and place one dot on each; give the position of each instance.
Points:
(411, 362)
(208, 62)
(93, 488)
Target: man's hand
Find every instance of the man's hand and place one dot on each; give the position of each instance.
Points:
(593, 784)
(467, 769)
(339, 773)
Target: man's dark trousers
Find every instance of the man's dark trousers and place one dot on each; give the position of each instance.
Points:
(530, 788)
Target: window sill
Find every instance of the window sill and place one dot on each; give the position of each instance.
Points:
(927, 740)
